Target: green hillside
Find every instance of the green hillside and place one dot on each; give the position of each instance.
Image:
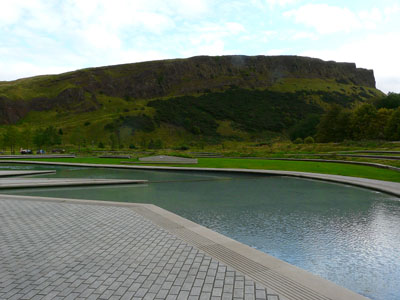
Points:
(188, 101)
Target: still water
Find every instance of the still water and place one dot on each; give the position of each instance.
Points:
(348, 235)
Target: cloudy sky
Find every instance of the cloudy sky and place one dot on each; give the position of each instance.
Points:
(45, 37)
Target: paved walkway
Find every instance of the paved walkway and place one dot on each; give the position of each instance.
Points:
(27, 156)
(82, 249)
(11, 173)
(11, 183)
(71, 251)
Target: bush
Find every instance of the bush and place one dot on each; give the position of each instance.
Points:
(306, 127)
(391, 101)
(101, 145)
(298, 141)
(157, 144)
(309, 140)
(132, 146)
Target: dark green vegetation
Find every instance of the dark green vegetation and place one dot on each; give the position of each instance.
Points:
(313, 167)
(251, 111)
(182, 104)
(379, 120)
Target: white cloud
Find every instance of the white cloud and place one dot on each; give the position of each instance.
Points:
(266, 36)
(280, 2)
(265, 5)
(190, 9)
(325, 18)
(376, 51)
(9, 14)
(21, 69)
(391, 11)
(208, 39)
(100, 37)
(129, 56)
(370, 19)
(234, 28)
(278, 52)
(215, 47)
(304, 35)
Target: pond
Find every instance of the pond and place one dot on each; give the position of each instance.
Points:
(345, 234)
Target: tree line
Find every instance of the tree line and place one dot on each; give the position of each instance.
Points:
(41, 138)
(378, 120)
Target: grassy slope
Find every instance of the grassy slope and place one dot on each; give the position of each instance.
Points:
(33, 87)
(313, 167)
(114, 107)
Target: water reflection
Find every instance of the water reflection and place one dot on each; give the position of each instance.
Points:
(345, 234)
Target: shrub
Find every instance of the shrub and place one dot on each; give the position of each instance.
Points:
(309, 140)
(298, 141)
(157, 144)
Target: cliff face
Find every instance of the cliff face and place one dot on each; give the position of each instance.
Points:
(77, 91)
(203, 73)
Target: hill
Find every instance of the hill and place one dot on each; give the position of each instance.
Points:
(199, 99)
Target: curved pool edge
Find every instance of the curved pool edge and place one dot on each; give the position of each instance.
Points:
(284, 279)
(388, 187)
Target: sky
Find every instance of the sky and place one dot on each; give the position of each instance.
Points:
(54, 36)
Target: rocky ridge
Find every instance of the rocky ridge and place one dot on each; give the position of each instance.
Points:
(171, 78)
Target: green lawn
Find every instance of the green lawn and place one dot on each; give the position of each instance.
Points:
(301, 166)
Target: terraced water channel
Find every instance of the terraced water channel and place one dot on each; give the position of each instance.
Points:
(348, 235)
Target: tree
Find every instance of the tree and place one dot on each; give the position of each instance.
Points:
(392, 130)
(335, 125)
(113, 141)
(391, 101)
(46, 137)
(51, 136)
(26, 138)
(10, 138)
(77, 137)
(304, 128)
(364, 122)
(38, 138)
(382, 119)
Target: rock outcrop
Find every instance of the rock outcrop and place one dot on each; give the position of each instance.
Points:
(203, 73)
(177, 77)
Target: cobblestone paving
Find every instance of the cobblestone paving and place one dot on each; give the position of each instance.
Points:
(71, 251)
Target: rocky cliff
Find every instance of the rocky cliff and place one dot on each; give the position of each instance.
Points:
(78, 91)
(203, 73)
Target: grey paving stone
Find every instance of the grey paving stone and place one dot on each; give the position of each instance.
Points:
(71, 251)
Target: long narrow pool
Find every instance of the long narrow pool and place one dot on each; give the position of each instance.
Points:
(348, 235)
